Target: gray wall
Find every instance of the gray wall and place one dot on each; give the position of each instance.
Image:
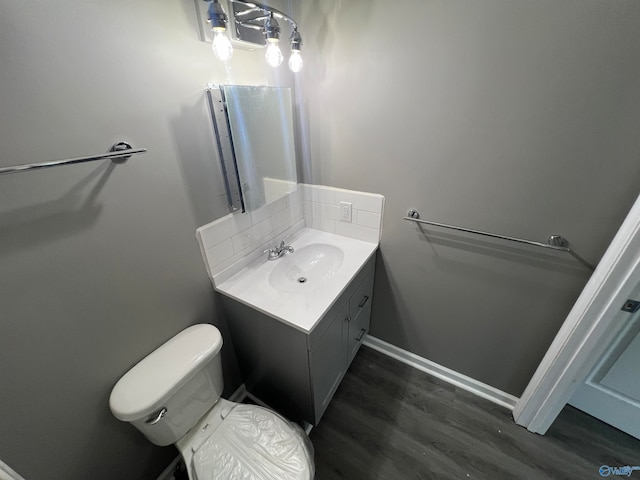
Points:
(99, 264)
(512, 116)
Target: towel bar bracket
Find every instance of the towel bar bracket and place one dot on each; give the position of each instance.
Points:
(121, 147)
(558, 241)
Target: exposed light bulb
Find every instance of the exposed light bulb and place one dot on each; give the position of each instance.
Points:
(221, 45)
(295, 61)
(273, 55)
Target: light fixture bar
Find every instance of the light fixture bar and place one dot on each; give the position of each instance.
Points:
(250, 25)
(257, 17)
(249, 11)
(253, 6)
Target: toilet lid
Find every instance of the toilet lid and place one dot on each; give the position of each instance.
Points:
(253, 443)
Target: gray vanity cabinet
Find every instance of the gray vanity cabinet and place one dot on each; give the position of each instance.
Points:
(332, 355)
(296, 372)
(328, 362)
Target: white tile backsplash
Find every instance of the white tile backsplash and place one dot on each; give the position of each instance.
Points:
(331, 212)
(321, 223)
(367, 219)
(252, 236)
(321, 210)
(275, 188)
(268, 210)
(295, 197)
(282, 218)
(224, 228)
(296, 207)
(358, 232)
(319, 193)
(370, 202)
(240, 236)
(221, 251)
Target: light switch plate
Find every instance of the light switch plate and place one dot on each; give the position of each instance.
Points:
(345, 211)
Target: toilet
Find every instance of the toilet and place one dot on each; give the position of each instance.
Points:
(173, 396)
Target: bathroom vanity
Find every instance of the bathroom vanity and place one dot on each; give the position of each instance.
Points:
(297, 325)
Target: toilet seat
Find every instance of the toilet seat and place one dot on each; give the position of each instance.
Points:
(254, 443)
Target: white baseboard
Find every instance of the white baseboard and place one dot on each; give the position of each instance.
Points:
(443, 373)
(239, 395)
(167, 473)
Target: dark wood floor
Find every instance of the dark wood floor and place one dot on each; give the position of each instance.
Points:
(393, 422)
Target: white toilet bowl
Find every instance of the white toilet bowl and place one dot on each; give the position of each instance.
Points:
(173, 396)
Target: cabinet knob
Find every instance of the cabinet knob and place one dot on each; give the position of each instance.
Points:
(348, 318)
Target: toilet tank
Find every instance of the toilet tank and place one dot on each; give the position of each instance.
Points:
(168, 391)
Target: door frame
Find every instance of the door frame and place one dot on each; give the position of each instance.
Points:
(7, 473)
(587, 331)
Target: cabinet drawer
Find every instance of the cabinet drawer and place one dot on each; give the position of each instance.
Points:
(361, 299)
(359, 317)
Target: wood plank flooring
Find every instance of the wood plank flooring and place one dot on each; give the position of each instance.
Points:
(390, 421)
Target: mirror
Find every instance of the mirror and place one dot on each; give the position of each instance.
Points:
(254, 129)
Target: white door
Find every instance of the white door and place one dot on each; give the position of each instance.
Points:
(611, 391)
(593, 323)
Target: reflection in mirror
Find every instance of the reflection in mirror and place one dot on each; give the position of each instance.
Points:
(254, 129)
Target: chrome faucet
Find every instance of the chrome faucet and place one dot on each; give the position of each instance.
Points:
(278, 251)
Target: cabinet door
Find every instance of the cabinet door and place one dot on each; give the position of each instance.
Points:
(328, 363)
(359, 317)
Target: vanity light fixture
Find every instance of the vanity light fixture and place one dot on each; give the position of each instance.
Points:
(272, 34)
(248, 17)
(218, 20)
(295, 60)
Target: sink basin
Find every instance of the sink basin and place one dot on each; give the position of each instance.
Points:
(298, 288)
(306, 268)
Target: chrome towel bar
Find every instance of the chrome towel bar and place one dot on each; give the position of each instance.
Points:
(119, 153)
(555, 242)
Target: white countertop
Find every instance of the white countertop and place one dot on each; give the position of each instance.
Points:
(304, 308)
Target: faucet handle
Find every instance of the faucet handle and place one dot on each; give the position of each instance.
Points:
(282, 244)
(272, 253)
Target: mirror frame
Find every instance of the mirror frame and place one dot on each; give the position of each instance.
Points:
(226, 152)
(225, 110)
